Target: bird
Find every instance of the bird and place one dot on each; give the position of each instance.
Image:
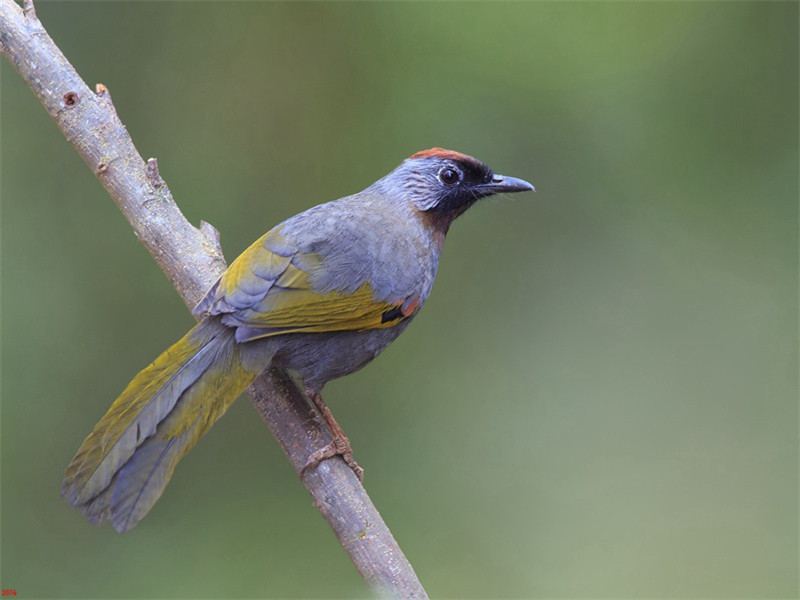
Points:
(320, 295)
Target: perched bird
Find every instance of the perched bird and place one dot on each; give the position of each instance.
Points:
(321, 294)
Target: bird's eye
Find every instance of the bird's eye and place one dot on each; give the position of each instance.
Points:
(449, 175)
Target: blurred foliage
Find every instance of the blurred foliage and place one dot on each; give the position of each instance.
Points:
(600, 398)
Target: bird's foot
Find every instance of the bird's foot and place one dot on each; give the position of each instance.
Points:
(339, 446)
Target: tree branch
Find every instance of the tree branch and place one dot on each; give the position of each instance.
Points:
(192, 260)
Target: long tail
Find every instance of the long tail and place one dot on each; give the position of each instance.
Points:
(124, 465)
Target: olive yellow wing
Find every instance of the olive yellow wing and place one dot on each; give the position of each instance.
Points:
(268, 291)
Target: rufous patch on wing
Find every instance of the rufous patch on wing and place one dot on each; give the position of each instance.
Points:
(410, 306)
(443, 153)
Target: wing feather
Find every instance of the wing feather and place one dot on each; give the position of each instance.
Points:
(268, 291)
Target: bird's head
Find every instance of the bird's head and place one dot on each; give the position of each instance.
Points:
(441, 184)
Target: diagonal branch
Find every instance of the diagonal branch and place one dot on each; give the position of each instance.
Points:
(192, 260)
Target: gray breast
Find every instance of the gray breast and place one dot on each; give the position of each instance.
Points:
(319, 357)
(362, 238)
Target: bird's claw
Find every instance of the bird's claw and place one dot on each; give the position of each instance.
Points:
(337, 447)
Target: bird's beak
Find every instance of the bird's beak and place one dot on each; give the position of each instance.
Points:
(501, 184)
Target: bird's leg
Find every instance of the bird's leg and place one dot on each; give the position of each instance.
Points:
(340, 444)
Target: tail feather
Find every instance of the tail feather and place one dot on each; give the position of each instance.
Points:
(98, 509)
(123, 466)
(143, 478)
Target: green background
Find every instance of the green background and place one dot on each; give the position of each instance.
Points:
(600, 397)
